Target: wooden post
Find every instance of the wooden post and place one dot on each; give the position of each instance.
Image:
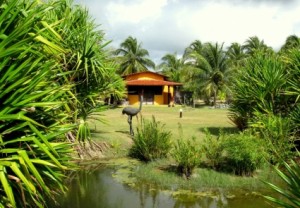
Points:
(169, 104)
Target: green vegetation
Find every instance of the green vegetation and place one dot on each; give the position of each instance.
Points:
(187, 154)
(208, 68)
(278, 134)
(213, 150)
(56, 75)
(53, 76)
(132, 57)
(32, 161)
(244, 153)
(290, 192)
(165, 176)
(151, 141)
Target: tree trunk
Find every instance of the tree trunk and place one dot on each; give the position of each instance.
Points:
(215, 97)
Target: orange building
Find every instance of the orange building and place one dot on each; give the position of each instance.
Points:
(156, 89)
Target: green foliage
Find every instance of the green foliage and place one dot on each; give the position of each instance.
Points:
(152, 140)
(32, 119)
(213, 150)
(244, 153)
(206, 73)
(132, 57)
(187, 154)
(295, 120)
(276, 131)
(290, 175)
(85, 62)
(259, 87)
(172, 67)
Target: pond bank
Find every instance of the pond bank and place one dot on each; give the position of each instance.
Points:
(119, 183)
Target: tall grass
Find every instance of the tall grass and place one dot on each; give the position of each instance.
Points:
(152, 140)
(187, 154)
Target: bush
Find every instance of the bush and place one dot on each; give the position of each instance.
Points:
(258, 87)
(151, 142)
(187, 154)
(244, 153)
(213, 150)
(277, 132)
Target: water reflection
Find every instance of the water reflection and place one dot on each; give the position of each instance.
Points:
(98, 189)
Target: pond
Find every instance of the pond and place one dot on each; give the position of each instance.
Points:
(100, 188)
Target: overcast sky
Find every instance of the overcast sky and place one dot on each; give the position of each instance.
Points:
(169, 26)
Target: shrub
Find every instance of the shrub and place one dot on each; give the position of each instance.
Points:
(151, 141)
(244, 153)
(295, 120)
(187, 154)
(258, 87)
(276, 131)
(213, 150)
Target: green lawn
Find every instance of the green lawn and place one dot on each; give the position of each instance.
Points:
(116, 133)
(116, 130)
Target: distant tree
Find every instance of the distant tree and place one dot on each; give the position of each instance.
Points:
(291, 42)
(236, 55)
(208, 70)
(132, 57)
(195, 46)
(254, 44)
(172, 66)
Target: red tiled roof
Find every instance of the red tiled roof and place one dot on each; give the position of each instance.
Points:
(150, 82)
(144, 72)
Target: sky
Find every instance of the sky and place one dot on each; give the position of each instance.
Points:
(170, 26)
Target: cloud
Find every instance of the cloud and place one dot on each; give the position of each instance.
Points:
(135, 12)
(169, 26)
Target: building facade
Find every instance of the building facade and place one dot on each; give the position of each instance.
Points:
(154, 87)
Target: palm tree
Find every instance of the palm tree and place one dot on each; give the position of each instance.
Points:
(172, 66)
(210, 72)
(253, 44)
(195, 46)
(132, 57)
(292, 41)
(236, 56)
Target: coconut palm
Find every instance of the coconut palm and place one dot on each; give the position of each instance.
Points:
(254, 44)
(236, 56)
(195, 46)
(171, 66)
(210, 72)
(32, 161)
(291, 42)
(132, 57)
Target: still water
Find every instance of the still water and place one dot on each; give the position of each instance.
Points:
(98, 188)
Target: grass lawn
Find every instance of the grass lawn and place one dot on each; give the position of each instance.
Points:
(116, 133)
(116, 129)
